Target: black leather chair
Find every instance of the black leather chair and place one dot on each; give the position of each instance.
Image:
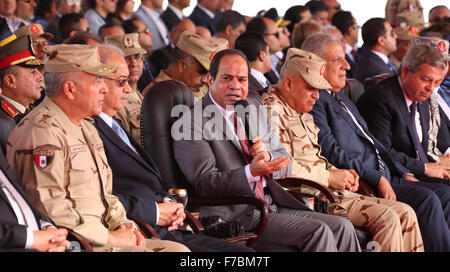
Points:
(156, 124)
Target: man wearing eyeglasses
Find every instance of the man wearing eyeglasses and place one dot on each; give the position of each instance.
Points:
(333, 7)
(438, 15)
(39, 38)
(379, 42)
(129, 114)
(346, 23)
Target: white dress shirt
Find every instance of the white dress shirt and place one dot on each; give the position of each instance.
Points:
(260, 77)
(159, 24)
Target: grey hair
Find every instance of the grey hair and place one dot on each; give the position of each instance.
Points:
(105, 51)
(7, 71)
(421, 54)
(318, 43)
(54, 80)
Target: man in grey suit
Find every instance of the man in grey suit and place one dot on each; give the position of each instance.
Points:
(226, 167)
(149, 13)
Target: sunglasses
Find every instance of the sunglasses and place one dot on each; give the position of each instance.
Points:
(73, 2)
(276, 34)
(121, 82)
(134, 57)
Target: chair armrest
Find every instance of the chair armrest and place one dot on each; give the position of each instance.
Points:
(193, 222)
(145, 228)
(286, 182)
(365, 189)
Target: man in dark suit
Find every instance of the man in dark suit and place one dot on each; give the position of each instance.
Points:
(347, 143)
(389, 106)
(347, 25)
(207, 14)
(21, 226)
(379, 41)
(226, 167)
(257, 52)
(174, 13)
(138, 185)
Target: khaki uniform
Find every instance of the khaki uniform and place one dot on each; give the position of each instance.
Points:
(66, 175)
(393, 224)
(164, 76)
(130, 115)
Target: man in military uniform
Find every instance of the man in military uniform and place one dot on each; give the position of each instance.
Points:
(392, 224)
(20, 81)
(38, 36)
(130, 114)
(59, 157)
(190, 62)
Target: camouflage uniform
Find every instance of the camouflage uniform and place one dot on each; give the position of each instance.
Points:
(130, 115)
(393, 224)
(406, 11)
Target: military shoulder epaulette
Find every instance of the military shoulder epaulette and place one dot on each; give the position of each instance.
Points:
(9, 109)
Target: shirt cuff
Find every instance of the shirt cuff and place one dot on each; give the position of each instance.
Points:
(30, 239)
(249, 176)
(157, 213)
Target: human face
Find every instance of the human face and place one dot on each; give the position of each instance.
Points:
(38, 45)
(25, 9)
(272, 36)
(157, 3)
(439, 15)
(321, 18)
(135, 67)
(28, 85)
(333, 7)
(90, 94)
(145, 36)
(302, 96)
(128, 8)
(109, 5)
(71, 6)
(285, 42)
(419, 86)
(390, 39)
(7, 7)
(236, 32)
(306, 16)
(336, 66)
(231, 82)
(117, 95)
(194, 76)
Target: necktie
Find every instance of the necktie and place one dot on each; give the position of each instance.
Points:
(18, 203)
(119, 131)
(421, 154)
(392, 67)
(354, 54)
(240, 132)
(381, 165)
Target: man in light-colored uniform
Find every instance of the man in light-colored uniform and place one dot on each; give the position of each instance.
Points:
(392, 224)
(190, 62)
(130, 114)
(59, 157)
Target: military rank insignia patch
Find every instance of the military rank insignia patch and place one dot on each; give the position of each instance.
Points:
(43, 156)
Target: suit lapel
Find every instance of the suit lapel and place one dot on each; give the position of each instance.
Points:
(221, 129)
(423, 108)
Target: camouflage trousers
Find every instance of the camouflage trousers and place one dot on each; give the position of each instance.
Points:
(393, 224)
(153, 245)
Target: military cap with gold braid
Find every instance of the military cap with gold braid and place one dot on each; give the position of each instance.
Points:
(202, 49)
(34, 30)
(310, 66)
(18, 52)
(128, 43)
(63, 58)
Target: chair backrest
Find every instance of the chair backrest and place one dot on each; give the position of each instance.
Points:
(369, 82)
(156, 124)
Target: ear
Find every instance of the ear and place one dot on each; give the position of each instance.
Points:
(228, 30)
(10, 81)
(287, 84)
(69, 89)
(181, 65)
(261, 55)
(381, 40)
(404, 72)
(209, 80)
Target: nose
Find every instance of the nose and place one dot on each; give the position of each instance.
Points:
(315, 94)
(103, 89)
(127, 88)
(345, 65)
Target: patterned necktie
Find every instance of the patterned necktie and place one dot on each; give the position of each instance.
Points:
(243, 141)
(119, 131)
(420, 152)
(381, 164)
(392, 67)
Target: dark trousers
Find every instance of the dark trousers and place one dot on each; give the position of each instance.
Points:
(431, 202)
(203, 243)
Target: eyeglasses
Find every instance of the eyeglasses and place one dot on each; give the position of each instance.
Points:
(355, 26)
(440, 19)
(121, 82)
(41, 43)
(276, 34)
(146, 31)
(337, 7)
(136, 57)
